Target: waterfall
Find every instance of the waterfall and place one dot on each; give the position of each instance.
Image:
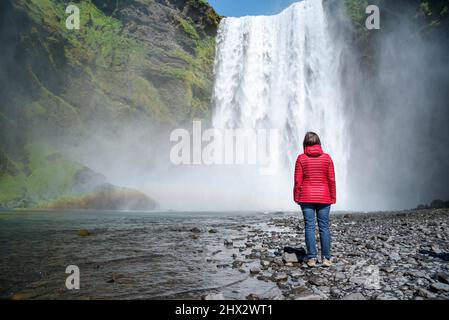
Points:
(282, 72)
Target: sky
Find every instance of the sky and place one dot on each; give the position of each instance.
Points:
(238, 8)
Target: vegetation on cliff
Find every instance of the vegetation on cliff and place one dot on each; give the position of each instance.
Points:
(131, 62)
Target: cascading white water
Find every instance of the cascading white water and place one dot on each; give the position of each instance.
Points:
(281, 72)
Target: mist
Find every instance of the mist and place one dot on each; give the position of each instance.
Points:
(398, 112)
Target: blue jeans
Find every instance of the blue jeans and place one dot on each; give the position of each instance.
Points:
(322, 214)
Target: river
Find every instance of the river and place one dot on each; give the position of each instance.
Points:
(129, 255)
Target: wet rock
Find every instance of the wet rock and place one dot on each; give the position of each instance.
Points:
(387, 268)
(415, 274)
(249, 244)
(265, 263)
(254, 270)
(394, 256)
(353, 254)
(20, 296)
(354, 296)
(283, 285)
(425, 293)
(263, 277)
(317, 281)
(279, 276)
(214, 296)
(308, 296)
(299, 289)
(213, 231)
(254, 255)
(195, 230)
(289, 257)
(385, 296)
(278, 261)
(228, 242)
(252, 296)
(436, 249)
(340, 276)
(84, 233)
(297, 274)
(442, 277)
(439, 286)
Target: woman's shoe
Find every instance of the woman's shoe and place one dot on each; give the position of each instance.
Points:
(311, 263)
(326, 263)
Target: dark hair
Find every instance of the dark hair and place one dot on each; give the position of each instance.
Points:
(311, 139)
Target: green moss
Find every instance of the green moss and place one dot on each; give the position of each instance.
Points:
(356, 12)
(425, 8)
(35, 109)
(12, 188)
(56, 111)
(51, 175)
(189, 27)
(12, 180)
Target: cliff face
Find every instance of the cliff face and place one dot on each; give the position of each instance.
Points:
(140, 62)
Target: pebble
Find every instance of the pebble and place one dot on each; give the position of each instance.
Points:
(279, 276)
(289, 257)
(354, 296)
(387, 268)
(317, 281)
(442, 277)
(439, 286)
(309, 297)
(214, 296)
(195, 230)
(425, 293)
(254, 270)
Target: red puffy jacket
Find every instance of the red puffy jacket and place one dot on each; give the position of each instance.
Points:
(314, 177)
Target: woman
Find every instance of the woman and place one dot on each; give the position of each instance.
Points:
(315, 191)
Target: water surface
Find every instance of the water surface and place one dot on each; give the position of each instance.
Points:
(130, 255)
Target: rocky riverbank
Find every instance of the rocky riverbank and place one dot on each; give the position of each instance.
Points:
(380, 256)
